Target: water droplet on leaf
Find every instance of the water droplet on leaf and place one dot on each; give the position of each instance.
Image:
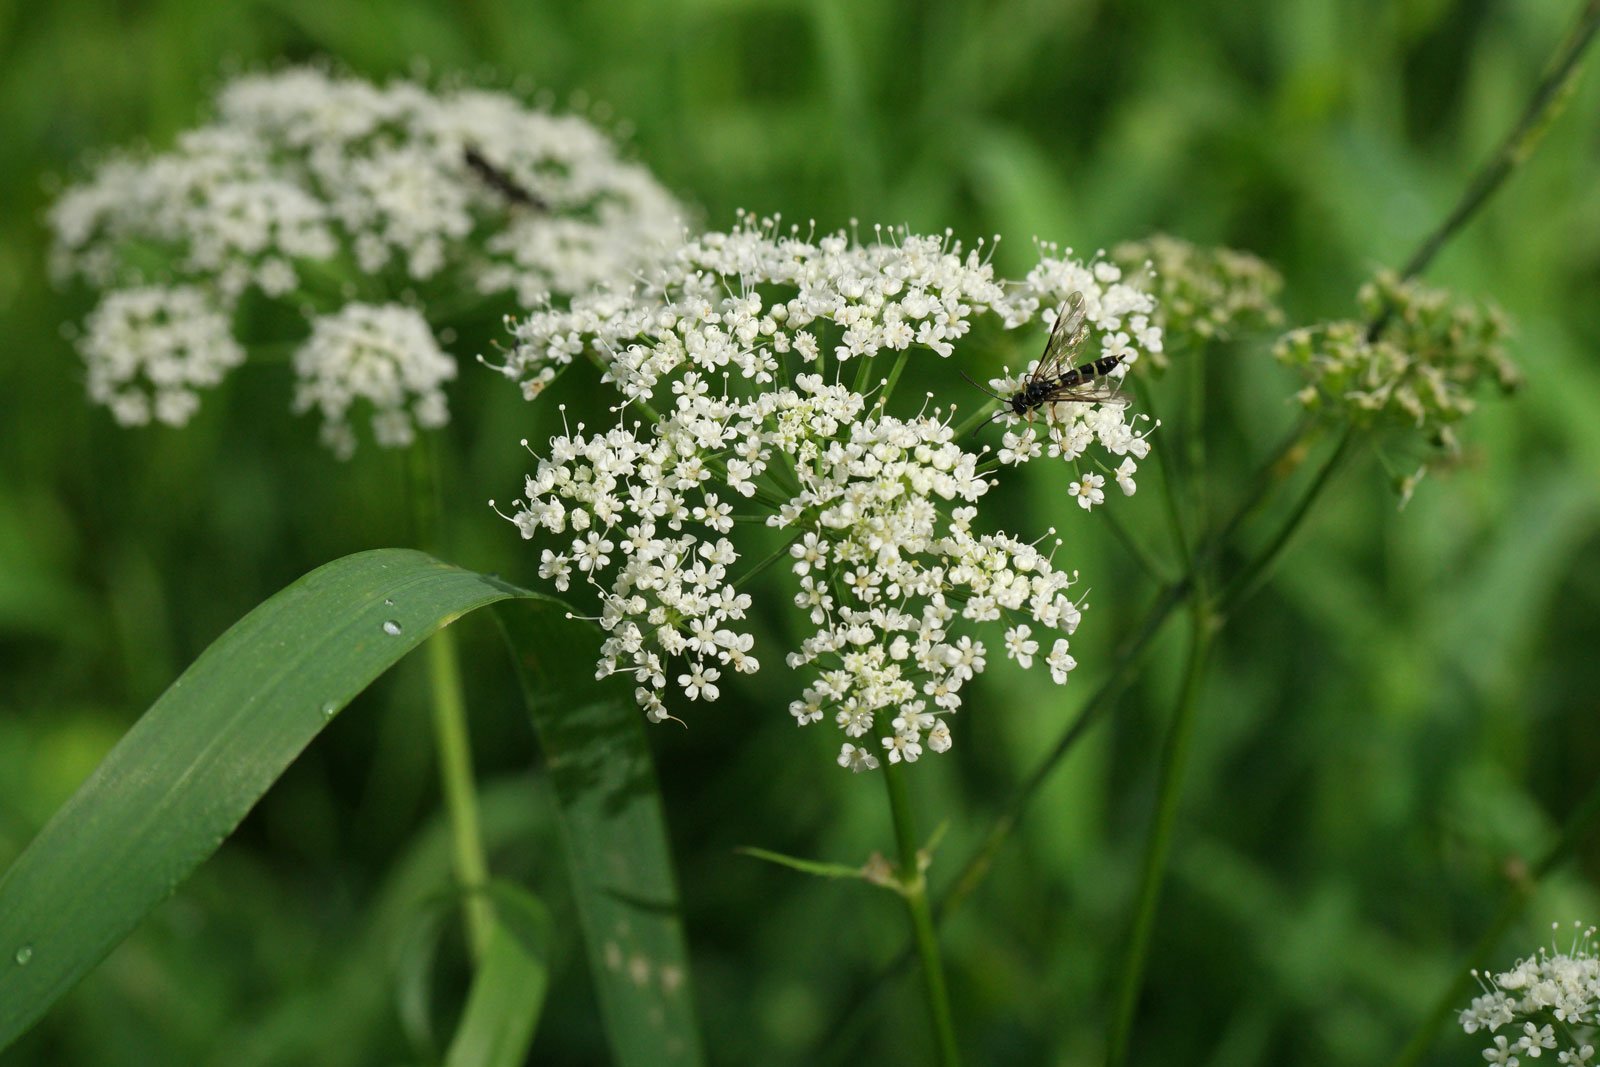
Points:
(24, 954)
(393, 628)
(329, 708)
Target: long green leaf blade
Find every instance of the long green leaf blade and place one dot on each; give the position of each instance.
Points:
(612, 823)
(509, 989)
(195, 764)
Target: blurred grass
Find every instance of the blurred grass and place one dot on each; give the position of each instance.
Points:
(1410, 704)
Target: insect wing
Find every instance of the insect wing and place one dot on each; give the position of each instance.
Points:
(1098, 391)
(1071, 327)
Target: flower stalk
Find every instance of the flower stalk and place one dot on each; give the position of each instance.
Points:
(913, 889)
(457, 781)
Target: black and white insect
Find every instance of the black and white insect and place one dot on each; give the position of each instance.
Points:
(500, 181)
(1054, 379)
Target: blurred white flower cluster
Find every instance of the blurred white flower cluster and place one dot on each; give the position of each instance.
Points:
(318, 191)
(1204, 291)
(385, 355)
(730, 357)
(1554, 996)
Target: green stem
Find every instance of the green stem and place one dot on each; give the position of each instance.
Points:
(1254, 572)
(1140, 554)
(1519, 144)
(1174, 760)
(1518, 892)
(1169, 493)
(456, 779)
(914, 890)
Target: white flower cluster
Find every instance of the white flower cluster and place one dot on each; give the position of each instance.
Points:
(149, 348)
(316, 190)
(384, 355)
(1555, 995)
(722, 355)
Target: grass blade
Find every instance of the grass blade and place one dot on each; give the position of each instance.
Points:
(612, 823)
(195, 764)
(508, 991)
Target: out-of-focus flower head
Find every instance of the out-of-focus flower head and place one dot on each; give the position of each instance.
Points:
(730, 359)
(1417, 369)
(1203, 292)
(315, 190)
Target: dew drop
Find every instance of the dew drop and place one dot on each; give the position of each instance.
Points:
(388, 603)
(24, 954)
(392, 628)
(329, 709)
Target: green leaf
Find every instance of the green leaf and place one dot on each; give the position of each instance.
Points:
(817, 867)
(612, 823)
(197, 762)
(508, 992)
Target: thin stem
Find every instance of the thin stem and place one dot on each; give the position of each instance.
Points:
(1198, 364)
(457, 781)
(1519, 891)
(1520, 142)
(1174, 760)
(1140, 554)
(1253, 573)
(894, 374)
(914, 890)
(977, 865)
(1169, 493)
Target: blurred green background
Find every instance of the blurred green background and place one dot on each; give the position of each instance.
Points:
(1405, 712)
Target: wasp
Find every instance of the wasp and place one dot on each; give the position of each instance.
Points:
(500, 181)
(1049, 384)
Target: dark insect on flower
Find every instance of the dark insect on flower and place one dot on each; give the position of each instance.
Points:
(500, 181)
(1049, 384)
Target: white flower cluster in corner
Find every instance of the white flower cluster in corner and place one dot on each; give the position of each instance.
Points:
(383, 355)
(315, 190)
(728, 358)
(1554, 996)
(149, 348)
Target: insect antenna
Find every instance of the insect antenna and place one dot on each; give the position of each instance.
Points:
(991, 392)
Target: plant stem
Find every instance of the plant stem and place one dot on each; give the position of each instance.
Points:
(1252, 573)
(456, 779)
(1137, 551)
(1174, 760)
(1520, 142)
(914, 890)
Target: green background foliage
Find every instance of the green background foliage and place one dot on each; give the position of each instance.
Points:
(1404, 714)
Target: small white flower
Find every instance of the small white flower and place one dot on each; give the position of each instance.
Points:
(697, 684)
(1535, 1039)
(1500, 1055)
(856, 758)
(1020, 647)
(1088, 490)
(902, 748)
(1125, 472)
(1060, 661)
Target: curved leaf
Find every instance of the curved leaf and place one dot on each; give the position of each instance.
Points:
(508, 991)
(195, 764)
(611, 820)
